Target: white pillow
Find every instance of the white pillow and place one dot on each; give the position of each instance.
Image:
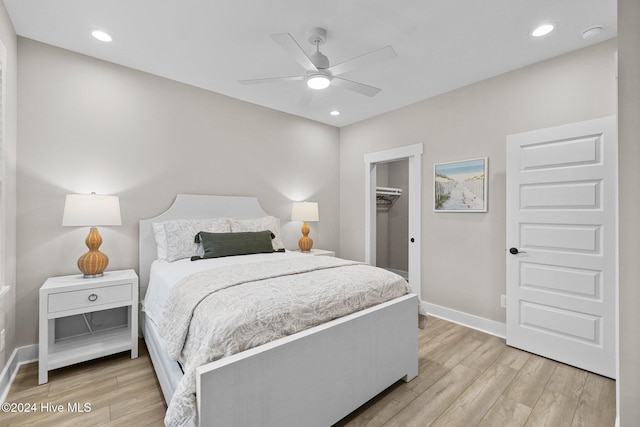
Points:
(270, 223)
(180, 236)
(161, 240)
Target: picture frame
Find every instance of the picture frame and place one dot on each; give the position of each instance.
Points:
(461, 186)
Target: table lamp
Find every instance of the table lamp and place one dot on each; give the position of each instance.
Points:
(305, 211)
(92, 210)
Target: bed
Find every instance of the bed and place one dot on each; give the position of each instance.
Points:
(313, 377)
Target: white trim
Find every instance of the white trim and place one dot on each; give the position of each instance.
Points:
(19, 357)
(393, 154)
(370, 184)
(481, 324)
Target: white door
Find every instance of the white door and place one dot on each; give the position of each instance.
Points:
(562, 243)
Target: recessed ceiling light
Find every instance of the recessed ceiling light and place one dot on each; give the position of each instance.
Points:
(592, 32)
(542, 30)
(335, 113)
(101, 35)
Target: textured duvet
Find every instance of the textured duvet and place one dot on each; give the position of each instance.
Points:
(225, 310)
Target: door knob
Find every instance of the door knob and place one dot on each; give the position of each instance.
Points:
(515, 251)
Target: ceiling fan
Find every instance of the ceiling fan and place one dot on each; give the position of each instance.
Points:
(319, 72)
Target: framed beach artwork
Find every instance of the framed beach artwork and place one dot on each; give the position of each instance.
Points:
(461, 186)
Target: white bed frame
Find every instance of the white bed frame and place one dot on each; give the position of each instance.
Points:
(313, 378)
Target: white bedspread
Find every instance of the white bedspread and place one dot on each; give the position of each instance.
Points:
(165, 275)
(222, 311)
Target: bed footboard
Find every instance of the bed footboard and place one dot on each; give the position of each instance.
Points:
(315, 377)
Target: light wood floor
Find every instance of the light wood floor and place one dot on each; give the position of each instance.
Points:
(121, 391)
(466, 379)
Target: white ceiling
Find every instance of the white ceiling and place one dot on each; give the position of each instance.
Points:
(441, 44)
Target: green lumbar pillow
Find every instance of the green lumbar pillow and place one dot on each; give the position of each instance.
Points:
(218, 245)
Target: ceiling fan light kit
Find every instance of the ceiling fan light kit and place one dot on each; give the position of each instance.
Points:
(320, 74)
(318, 81)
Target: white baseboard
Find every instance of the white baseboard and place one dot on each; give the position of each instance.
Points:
(469, 320)
(20, 356)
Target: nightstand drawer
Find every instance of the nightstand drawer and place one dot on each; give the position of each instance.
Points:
(71, 300)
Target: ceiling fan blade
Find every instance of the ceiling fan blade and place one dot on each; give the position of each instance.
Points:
(288, 43)
(354, 86)
(271, 80)
(381, 54)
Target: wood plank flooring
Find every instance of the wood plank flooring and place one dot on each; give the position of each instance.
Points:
(120, 391)
(467, 378)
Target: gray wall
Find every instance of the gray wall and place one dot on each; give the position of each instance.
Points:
(88, 125)
(629, 182)
(8, 38)
(467, 123)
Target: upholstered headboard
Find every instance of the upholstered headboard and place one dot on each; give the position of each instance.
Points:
(191, 206)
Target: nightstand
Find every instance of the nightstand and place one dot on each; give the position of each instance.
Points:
(71, 295)
(319, 252)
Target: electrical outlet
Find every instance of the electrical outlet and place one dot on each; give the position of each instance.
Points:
(503, 301)
(2, 341)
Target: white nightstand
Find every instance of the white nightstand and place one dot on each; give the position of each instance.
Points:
(319, 252)
(71, 295)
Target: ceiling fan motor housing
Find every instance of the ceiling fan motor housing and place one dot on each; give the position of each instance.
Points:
(317, 35)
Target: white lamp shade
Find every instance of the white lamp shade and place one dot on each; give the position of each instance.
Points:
(304, 211)
(91, 210)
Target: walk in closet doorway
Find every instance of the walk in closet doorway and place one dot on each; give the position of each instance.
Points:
(412, 154)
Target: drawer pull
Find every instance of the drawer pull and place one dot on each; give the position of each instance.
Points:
(93, 297)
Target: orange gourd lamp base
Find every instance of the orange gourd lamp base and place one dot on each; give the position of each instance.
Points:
(93, 263)
(305, 243)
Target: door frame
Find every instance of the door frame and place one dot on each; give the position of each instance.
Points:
(412, 153)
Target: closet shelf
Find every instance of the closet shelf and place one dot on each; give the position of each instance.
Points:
(386, 196)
